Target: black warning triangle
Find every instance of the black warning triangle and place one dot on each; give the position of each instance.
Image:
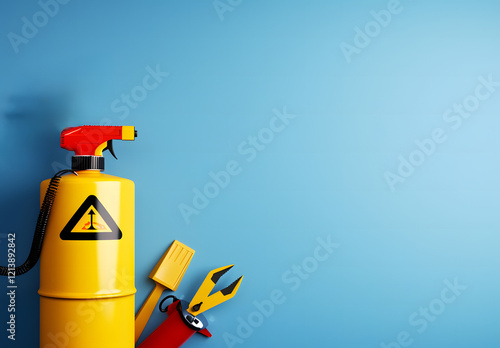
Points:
(91, 201)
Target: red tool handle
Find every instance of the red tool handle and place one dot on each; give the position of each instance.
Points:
(91, 140)
(172, 333)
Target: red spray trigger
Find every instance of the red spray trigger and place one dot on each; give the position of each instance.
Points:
(93, 140)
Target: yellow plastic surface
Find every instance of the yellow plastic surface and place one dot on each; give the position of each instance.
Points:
(100, 149)
(203, 294)
(128, 133)
(142, 317)
(76, 272)
(106, 322)
(172, 266)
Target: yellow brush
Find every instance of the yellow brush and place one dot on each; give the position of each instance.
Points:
(167, 274)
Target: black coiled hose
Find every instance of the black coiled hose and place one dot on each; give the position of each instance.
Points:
(41, 225)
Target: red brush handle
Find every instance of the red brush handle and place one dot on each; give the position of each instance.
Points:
(172, 333)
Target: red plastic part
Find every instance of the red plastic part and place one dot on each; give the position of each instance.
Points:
(85, 140)
(205, 332)
(172, 333)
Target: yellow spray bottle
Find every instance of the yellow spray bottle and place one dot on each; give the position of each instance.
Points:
(87, 260)
(86, 248)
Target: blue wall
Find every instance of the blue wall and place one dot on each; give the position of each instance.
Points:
(362, 138)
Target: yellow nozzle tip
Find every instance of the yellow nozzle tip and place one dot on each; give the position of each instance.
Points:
(128, 133)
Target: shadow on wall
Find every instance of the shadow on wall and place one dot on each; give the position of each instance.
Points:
(31, 124)
(31, 128)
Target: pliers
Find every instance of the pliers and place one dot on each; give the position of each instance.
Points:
(185, 319)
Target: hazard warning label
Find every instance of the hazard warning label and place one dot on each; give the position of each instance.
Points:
(91, 222)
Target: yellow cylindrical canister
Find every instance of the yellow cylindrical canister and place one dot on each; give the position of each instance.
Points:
(87, 264)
